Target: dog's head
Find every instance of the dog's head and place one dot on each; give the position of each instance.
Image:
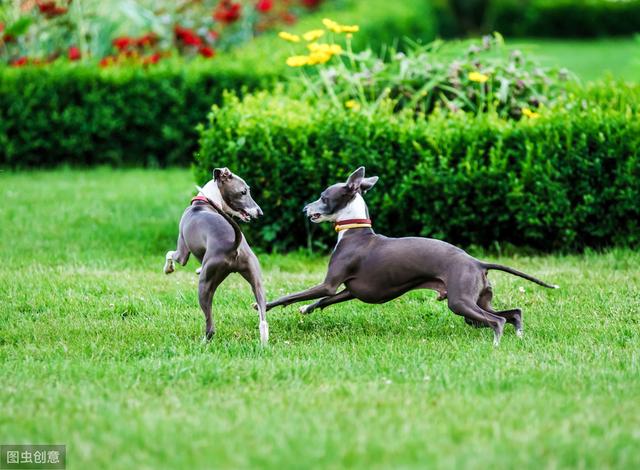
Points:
(236, 195)
(338, 196)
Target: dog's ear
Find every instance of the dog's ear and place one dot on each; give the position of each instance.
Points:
(222, 174)
(367, 183)
(355, 179)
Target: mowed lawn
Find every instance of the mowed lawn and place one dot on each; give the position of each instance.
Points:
(99, 350)
(589, 59)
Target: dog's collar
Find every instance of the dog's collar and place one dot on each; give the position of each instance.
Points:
(200, 198)
(352, 223)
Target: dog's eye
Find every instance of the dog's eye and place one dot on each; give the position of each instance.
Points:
(323, 199)
(243, 192)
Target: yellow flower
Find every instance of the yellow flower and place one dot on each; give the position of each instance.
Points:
(288, 36)
(349, 36)
(352, 104)
(331, 49)
(530, 114)
(478, 77)
(319, 57)
(339, 28)
(313, 34)
(350, 29)
(298, 61)
(331, 25)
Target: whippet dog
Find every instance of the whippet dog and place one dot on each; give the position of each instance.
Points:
(376, 269)
(209, 232)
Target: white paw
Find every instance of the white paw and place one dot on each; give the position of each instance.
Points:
(264, 332)
(199, 270)
(303, 310)
(168, 264)
(519, 333)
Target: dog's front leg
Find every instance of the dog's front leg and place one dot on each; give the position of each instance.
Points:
(253, 276)
(321, 290)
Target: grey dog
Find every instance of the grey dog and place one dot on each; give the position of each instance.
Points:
(208, 231)
(376, 269)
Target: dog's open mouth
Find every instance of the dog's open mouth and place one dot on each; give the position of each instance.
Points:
(244, 215)
(314, 217)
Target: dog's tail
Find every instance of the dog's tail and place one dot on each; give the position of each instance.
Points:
(515, 272)
(234, 225)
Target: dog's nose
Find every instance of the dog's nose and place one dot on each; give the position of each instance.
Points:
(260, 213)
(304, 209)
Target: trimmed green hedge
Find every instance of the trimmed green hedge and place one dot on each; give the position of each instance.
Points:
(121, 116)
(80, 114)
(568, 180)
(540, 18)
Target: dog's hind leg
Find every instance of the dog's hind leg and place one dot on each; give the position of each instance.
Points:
(470, 310)
(341, 296)
(181, 255)
(253, 277)
(210, 279)
(513, 316)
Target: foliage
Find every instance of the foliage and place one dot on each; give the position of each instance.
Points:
(471, 77)
(539, 18)
(118, 116)
(565, 180)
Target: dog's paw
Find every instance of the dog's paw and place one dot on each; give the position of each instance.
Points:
(199, 270)
(169, 267)
(264, 332)
(305, 309)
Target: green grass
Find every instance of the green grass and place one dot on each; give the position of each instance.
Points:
(101, 351)
(588, 59)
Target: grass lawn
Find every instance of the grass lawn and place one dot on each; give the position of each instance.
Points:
(102, 352)
(588, 59)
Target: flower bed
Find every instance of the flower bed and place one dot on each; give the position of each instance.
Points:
(42, 31)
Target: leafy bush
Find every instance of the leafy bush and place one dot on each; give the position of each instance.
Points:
(567, 180)
(565, 18)
(471, 77)
(121, 116)
(541, 18)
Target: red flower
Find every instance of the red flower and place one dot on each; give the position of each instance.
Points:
(206, 51)
(264, 6)
(50, 9)
(227, 11)
(148, 39)
(19, 62)
(152, 59)
(214, 35)
(311, 3)
(106, 61)
(74, 53)
(187, 36)
(123, 43)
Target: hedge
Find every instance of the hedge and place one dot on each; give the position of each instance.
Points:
(567, 180)
(80, 114)
(541, 18)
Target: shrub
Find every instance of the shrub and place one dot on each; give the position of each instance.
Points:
(566, 180)
(131, 115)
(121, 116)
(542, 18)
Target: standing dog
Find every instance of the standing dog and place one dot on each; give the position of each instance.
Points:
(376, 269)
(208, 231)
